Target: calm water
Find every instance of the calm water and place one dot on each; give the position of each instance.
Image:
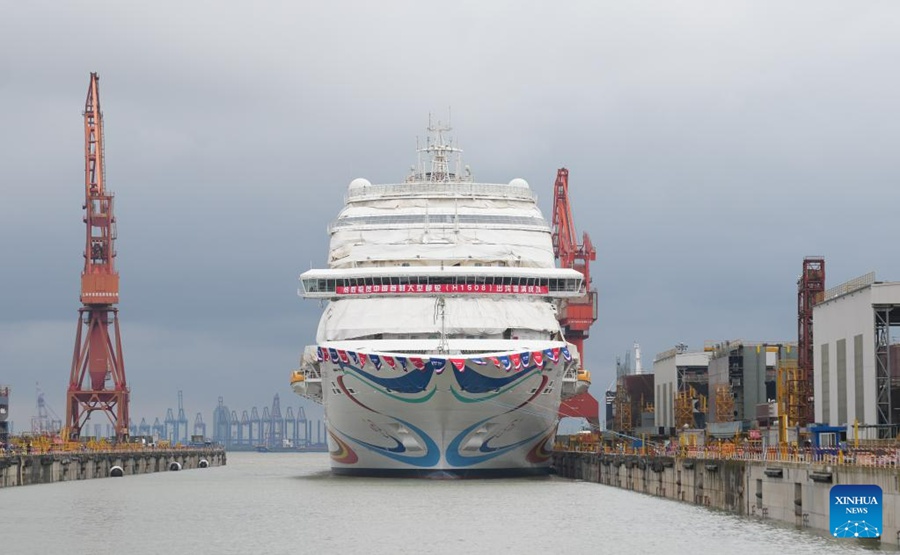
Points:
(289, 503)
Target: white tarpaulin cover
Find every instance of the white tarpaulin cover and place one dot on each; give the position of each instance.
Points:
(527, 248)
(351, 318)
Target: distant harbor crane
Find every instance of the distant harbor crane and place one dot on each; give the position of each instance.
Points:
(199, 426)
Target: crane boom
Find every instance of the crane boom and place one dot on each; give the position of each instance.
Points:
(576, 315)
(98, 357)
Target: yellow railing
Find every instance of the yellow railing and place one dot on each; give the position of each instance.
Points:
(877, 457)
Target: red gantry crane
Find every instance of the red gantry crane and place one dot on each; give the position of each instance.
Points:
(97, 380)
(810, 288)
(578, 314)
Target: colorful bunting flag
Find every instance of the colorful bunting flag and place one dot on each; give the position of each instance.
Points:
(459, 364)
(516, 360)
(438, 364)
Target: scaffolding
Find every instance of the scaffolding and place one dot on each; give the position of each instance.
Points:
(788, 395)
(624, 422)
(688, 402)
(724, 403)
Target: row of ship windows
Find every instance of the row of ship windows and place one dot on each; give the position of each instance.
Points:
(459, 284)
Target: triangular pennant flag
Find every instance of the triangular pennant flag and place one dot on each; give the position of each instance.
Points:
(526, 359)
(538, 358)
(438, 364)
(376, 361)
(566, 353)
(363, 359)
(389, 361)
(459, 363)
(402, 362)
(479, 361)
(343, 356)
(504, 360)
(417, 363)
(516, 360)
(319, 356)
(354, 358)
(496, 362)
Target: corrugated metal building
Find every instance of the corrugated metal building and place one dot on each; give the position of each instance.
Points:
(677, 371)
(856, 373)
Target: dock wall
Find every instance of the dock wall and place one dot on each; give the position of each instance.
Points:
(789, 492)
(22, 470)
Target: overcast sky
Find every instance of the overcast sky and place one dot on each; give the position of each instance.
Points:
(711, 146)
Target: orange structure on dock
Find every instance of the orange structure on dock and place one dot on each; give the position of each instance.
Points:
(579, 314)
(97, 379)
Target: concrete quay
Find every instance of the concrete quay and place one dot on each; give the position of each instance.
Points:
(46, 468)
(791, 492)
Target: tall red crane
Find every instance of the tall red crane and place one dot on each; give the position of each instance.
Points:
(97, 379)
(576, 315)
(810, 288)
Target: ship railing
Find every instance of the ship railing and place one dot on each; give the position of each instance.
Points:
(460, 189)
(311, 372)
(869, 458)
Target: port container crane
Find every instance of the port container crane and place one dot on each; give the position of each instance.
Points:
(576, 315)
(97, 379)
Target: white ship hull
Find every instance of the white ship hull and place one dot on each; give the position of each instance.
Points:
(438, 420)
(440, 351)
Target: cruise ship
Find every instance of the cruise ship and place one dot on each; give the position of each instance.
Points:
(439, 352)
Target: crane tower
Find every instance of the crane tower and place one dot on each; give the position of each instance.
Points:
(576, 315)
(810, 288)
(97, 379)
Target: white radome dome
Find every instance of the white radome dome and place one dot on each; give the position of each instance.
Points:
(360, 183)
(519, 182)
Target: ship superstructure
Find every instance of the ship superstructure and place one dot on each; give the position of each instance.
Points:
(439, 350)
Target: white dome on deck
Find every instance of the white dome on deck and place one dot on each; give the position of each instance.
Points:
(519, 182)
(360, 183)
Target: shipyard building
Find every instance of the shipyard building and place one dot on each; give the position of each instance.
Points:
(857, 369)
(682, 389)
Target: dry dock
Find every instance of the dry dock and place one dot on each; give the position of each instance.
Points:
(791, 491)
(26, 469)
